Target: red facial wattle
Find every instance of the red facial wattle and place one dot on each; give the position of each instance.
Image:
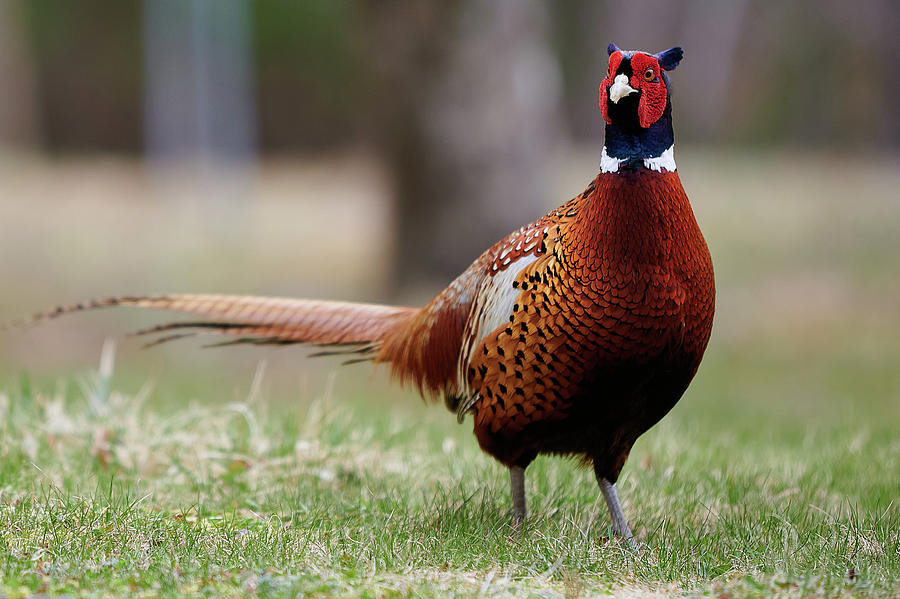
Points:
(646, 78)
(615, 59)
(653, 91)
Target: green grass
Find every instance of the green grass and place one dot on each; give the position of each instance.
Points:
(101, 495)
(778, 474)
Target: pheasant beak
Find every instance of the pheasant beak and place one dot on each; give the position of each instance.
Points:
(620, 88)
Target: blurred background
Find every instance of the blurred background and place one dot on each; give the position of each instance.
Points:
(370, 149)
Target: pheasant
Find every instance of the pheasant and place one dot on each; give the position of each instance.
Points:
(571, 336)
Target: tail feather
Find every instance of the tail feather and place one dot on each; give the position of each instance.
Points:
(258, 320)
(421, 344)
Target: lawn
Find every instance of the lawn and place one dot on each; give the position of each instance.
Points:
(778, 474)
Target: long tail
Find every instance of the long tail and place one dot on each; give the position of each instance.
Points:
(260, 320)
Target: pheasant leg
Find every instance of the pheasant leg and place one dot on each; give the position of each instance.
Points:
(517, 485)
(619, 523)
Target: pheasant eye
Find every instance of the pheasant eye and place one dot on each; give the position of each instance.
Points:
(649, 75)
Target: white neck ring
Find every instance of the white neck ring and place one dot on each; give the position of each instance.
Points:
(662, 163)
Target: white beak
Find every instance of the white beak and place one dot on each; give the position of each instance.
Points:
(620, 88)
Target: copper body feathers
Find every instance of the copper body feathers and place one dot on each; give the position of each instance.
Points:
(610, 308)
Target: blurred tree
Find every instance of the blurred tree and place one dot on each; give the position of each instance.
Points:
(199, 88)
(466, 97)
(18, 121)
(87, 72)
(813, 74)
(755, 71)
(310, 74)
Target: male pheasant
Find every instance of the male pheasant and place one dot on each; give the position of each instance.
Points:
(571, 336)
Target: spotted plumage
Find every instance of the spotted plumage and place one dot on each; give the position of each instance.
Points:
(572, 336)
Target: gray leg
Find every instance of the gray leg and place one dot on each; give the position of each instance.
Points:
(619, 523)
(517, 484)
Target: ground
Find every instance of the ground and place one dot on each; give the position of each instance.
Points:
(181, 472)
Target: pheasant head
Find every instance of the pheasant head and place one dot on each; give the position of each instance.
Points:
(636, 105)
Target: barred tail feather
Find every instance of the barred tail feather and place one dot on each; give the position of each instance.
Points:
(259, 320)
(420, 344)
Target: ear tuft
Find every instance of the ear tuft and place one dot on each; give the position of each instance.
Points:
(612, 48)
(669, 59)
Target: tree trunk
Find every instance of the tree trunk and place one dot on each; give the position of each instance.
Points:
(18, 118)
(467, 97)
